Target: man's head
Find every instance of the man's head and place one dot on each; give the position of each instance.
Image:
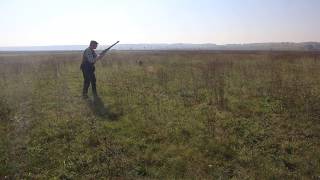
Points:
(93, 44)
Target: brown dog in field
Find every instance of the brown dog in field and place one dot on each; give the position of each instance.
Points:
(139, 62)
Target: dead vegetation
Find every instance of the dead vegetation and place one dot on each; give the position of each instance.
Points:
(194, 114)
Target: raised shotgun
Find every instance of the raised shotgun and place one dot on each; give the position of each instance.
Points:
(106, 50)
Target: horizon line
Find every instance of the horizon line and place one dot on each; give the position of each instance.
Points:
(270, 42)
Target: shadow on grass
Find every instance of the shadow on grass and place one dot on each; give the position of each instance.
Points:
(99, 108)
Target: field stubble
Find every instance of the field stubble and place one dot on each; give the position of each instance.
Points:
(253, 115)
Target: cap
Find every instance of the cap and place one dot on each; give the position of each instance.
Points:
(93, 42)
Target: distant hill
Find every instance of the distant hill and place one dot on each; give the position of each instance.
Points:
(282, 46)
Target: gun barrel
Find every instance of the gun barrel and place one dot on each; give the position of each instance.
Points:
(104, 51)
(113, 45)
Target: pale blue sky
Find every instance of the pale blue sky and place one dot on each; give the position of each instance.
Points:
(62, 22)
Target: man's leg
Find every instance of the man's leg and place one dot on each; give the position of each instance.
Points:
(93, 85)
(86, 83)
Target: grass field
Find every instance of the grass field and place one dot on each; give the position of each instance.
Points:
(166, 115)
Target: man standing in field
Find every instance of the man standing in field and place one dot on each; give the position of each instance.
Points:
(89, 58)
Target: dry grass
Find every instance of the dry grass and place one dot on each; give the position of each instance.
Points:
(196, 114)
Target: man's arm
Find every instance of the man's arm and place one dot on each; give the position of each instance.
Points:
(91, 58)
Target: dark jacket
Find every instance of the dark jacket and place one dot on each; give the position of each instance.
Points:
(88, 59)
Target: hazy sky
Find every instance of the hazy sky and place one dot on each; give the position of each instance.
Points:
(61, 22)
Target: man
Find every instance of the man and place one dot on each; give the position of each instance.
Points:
(89, 58)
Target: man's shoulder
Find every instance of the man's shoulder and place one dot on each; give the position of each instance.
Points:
(87, 49)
